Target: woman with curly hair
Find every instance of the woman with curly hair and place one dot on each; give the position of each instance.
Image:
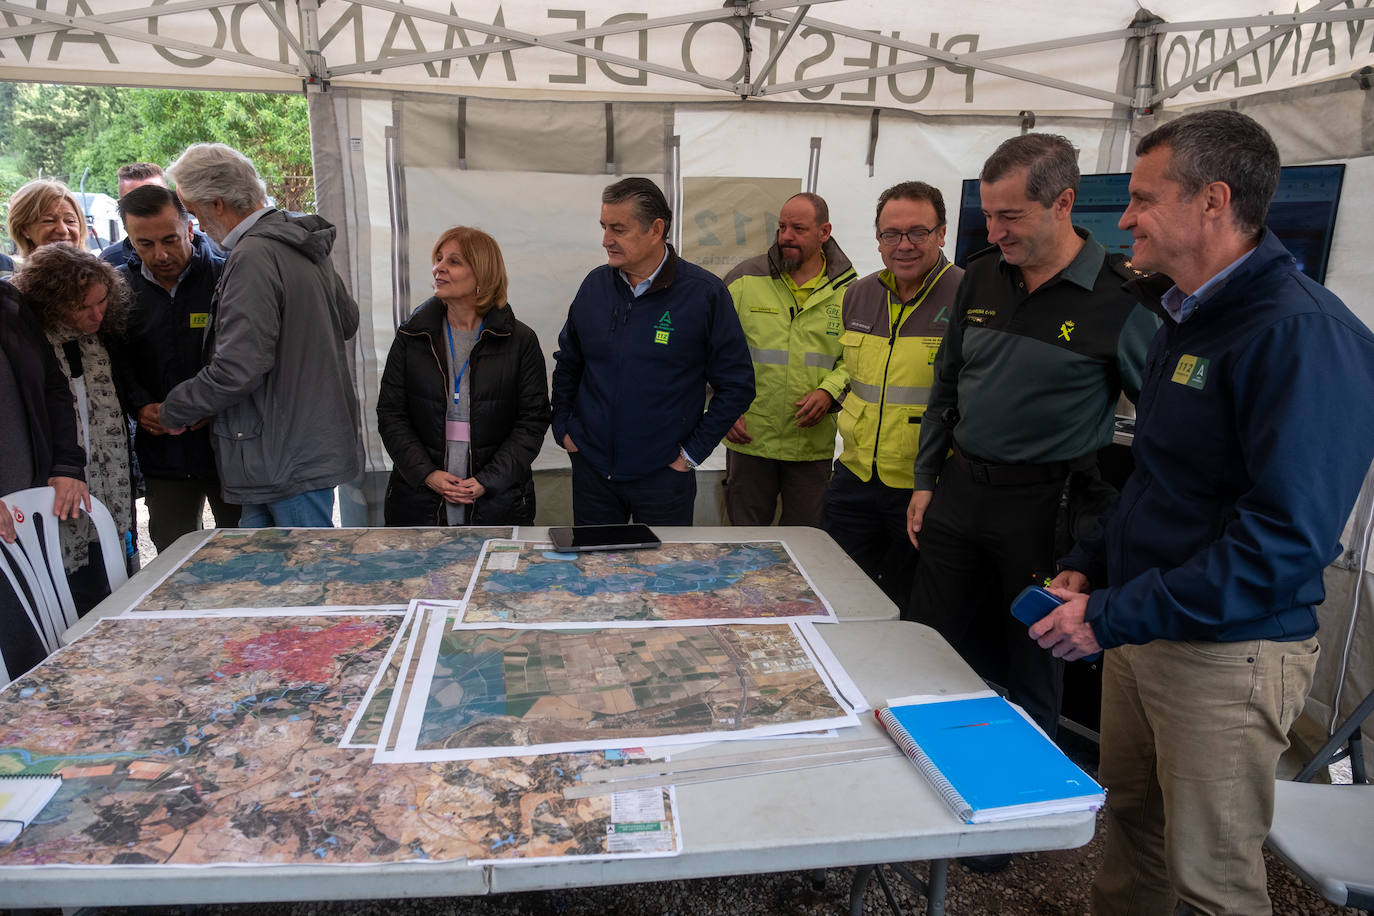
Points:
(78, 297)
(43, 212)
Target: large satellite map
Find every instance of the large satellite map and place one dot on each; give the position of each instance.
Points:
(215, 740)
(324, 567)
(524, 582)
(499, 691)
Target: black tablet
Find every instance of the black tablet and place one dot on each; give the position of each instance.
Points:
(603, 537)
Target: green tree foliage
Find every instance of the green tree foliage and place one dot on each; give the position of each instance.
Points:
(65, 130)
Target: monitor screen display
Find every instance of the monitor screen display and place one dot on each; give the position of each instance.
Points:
(1302, 214)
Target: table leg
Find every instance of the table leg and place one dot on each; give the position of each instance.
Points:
(933, 891)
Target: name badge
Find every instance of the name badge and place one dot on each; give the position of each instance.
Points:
(458, 431)
(200, 319)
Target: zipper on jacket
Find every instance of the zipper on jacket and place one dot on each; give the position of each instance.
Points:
(902, 316)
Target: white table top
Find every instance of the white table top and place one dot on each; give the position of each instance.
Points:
(855, 813)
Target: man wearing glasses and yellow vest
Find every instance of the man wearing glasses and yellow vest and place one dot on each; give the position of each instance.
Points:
(893, 323)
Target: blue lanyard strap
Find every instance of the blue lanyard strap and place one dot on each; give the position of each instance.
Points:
(452, 356)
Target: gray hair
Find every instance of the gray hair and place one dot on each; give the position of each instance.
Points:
(209, 171)
(1224, 146)
(1050, 161)
(648, 202)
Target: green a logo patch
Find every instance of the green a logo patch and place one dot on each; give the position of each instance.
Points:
(663, 328)
(1191, 371)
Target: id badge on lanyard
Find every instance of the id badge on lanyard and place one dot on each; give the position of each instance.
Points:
(458, 430)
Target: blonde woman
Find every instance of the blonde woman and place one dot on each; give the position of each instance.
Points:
(464, 401)
(43, 212)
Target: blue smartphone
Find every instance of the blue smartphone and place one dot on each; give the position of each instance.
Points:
(1033, 603)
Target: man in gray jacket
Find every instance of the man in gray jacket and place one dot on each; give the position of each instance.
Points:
(276, 385)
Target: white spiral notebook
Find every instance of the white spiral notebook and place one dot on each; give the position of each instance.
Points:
(21, 800)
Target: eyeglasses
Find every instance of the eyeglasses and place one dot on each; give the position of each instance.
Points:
(892, 237)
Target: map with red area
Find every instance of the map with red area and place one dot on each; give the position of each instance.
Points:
(301, 653)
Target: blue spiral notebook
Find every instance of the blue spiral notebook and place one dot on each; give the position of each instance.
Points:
(987, 760)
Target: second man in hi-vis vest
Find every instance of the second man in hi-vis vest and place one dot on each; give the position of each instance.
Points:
(893, 323)
(788, 299)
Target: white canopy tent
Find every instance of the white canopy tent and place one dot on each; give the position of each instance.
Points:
(513, 115)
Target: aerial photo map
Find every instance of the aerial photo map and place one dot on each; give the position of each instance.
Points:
(324, 567)
(211, 741)
(524, 582)
(504, 690)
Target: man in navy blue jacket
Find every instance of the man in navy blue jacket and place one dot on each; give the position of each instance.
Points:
(172, 272)
(1255, 430)
(646, 333)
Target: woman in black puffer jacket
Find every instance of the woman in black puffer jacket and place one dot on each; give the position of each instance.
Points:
(464, 402)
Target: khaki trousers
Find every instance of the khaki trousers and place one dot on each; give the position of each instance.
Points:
(1191, 737)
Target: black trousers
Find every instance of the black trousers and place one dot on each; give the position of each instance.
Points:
(868, 520)
(980, 545)
(663, 497)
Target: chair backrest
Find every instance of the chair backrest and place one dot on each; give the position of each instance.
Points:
(1345, 741)
(37, 555)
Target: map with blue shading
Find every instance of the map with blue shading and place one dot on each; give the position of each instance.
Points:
(322, 567)
(524, 582)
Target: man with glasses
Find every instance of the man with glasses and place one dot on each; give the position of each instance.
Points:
(893, 322)
(788, 300)
(1040, 344)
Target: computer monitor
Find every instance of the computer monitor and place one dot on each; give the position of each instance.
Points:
(1302, 214)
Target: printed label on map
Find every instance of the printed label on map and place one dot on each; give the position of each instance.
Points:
(638, 822)
(641, 836)
(637, 805)
(506, 560)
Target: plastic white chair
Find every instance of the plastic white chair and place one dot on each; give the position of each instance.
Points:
(37, 556)
(1323, 831)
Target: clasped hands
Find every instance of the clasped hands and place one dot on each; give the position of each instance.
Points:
(453, 489)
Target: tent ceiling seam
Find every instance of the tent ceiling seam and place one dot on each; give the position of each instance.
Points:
(975, 61)
(83, 24)
(1272, 35)
(550, 42)
(156, 12)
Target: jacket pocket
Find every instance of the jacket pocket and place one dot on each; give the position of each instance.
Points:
(239, 421)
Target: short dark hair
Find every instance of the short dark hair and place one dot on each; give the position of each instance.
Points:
(1224, 146)
(817, 202)
(1050, 161)
(913, 190)
(139, 171)
(150, 200)
(649, 202)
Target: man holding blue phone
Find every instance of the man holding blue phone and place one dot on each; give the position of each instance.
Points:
(1201, 585)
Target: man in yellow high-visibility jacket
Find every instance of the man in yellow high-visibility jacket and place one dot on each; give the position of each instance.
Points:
(893, 323)
(788, 300)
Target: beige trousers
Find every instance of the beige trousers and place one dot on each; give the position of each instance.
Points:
(1191, 736)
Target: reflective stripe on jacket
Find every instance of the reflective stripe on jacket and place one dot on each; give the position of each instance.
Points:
(890, 370)
(795, 350)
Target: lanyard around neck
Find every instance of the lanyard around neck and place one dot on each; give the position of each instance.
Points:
(452, 356)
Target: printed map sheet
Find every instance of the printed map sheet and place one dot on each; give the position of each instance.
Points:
(215, 741)
(482, 692)
(269, 570)
(525, 582)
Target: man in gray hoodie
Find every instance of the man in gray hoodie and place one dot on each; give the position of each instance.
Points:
(276, 386)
